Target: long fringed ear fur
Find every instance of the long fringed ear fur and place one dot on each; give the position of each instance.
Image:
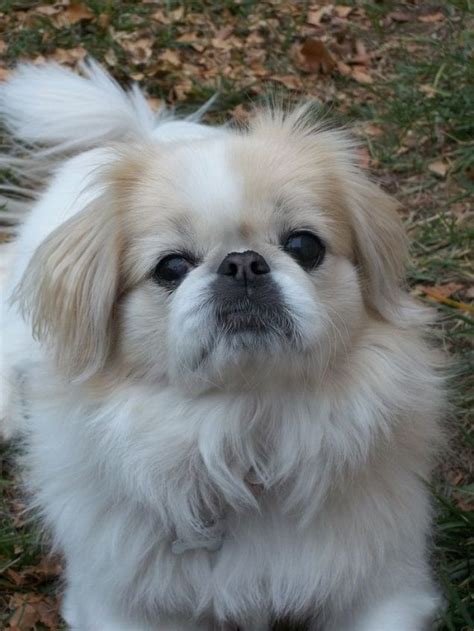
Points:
(380, 247)
(69, 288)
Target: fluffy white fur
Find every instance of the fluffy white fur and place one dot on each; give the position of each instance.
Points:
(150, 435)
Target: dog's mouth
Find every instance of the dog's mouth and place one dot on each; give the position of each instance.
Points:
(246, 315)
(240, 318)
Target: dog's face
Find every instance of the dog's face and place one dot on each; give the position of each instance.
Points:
(221, 262)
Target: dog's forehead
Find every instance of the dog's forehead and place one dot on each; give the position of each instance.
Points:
(212, 188)
(202, 187)
(229, 190)
(233, 183)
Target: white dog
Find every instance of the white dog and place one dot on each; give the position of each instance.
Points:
(228, 405)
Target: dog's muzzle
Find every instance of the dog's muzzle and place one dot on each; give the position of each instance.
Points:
(247, 299)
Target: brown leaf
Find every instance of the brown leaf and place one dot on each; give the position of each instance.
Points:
(25, 615)
(161, 17)
(240, 114)
(31, 608)
(47, 611)
(16, 577)
(445, 289)
(361, 76)
(433, 17)
(364, 157)
(438, 167)
(183, 88)
(400, 16)
(313, 56)
(170, 56)
(360, 48)
(343, 11)
(224, 32)
(290, 81)
(47, 10)
(434, 294)
(315, 17)
(4, 73)
(177, 14)
(361, 55)
(140, 50)
(154, 102)
(193, 39)
(344, 69)
(3, 46)
(111, 58)
(371, 129)
(75, 13)
(104, 20)
(428, 90)
(68, 55)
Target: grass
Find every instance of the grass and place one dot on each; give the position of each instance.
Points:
(420, 101)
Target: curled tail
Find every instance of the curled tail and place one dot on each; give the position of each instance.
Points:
(50, 112)
(63, 111)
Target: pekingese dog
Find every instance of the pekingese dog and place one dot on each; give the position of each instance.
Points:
(228, 406)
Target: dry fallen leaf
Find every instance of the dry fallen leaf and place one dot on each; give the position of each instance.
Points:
(400, 16)
(75, 13)
(111, 58)
(104, 20)
(67, 55)
(290, 81)
(161, 17)
(313, 56)
(193, 39)
(30, 609)
(177, 14)
(434, 294)
(155, 103)
(361, 55)
(47, 9)
(438, 167)
(364, 157)
(371, 129)
(315, 17)
(182, 89)
(433, 17)
(361, 76)
(343, 11)
(170, 56)
(140, 50)
(344, 69)
(445, 289)
(427, 90)
(240, 114)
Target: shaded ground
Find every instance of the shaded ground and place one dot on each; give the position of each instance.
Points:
(401, 74)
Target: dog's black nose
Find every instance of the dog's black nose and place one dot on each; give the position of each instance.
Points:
(243, 266)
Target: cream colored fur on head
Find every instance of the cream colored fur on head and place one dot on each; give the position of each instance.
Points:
(199, 473)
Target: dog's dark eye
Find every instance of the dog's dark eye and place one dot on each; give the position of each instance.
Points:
(172, 269)
(306, 248)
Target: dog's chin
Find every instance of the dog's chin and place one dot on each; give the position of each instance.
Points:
(240, 354)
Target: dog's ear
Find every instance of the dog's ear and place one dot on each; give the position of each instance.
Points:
(380, 247)
(69, 289)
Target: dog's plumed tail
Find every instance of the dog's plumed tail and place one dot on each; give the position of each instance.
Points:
(51, 113)
(60, 110)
